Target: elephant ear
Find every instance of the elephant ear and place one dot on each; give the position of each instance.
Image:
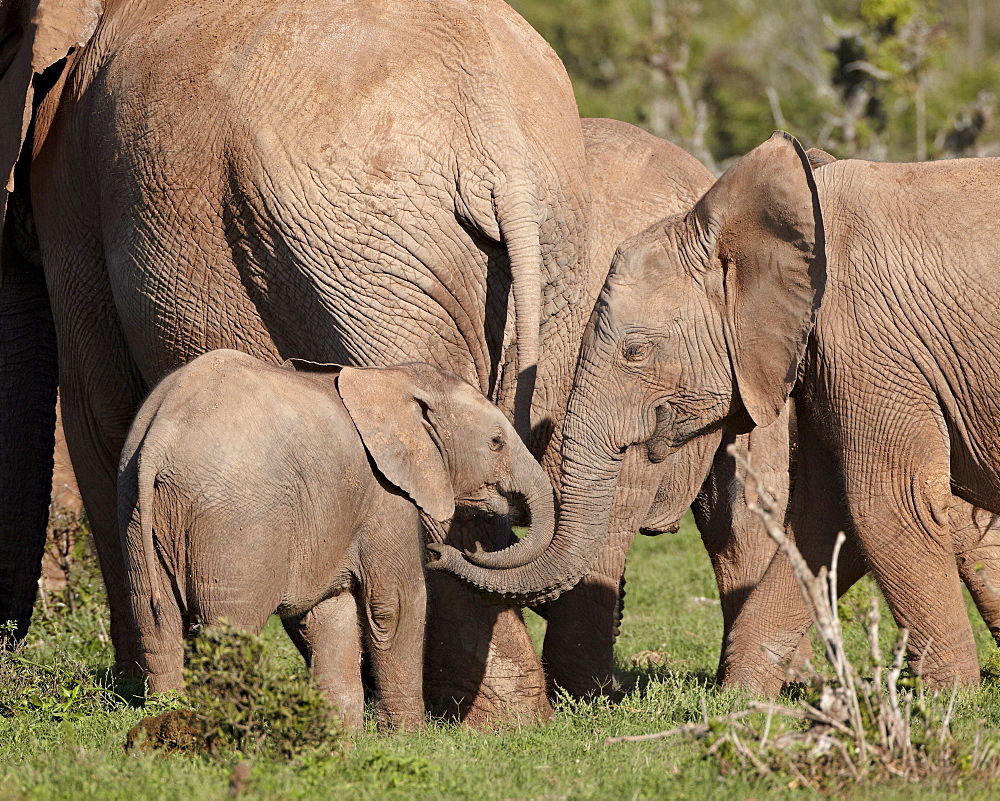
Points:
(35, 34)
(762, 221)
(817, 158)
(389, 408)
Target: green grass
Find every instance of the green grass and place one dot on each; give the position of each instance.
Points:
(72, 755)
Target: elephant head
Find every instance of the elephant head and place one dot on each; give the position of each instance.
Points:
(702, 322)
(445, 445)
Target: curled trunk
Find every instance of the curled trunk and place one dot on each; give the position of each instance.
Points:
(587, 494)
(531, 481)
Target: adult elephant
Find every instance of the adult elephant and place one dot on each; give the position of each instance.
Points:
(712, 318)
(355, 181)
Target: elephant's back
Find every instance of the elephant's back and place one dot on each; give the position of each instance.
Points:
(227, 424)
(921, 225)
(281, 64)
(636, 180)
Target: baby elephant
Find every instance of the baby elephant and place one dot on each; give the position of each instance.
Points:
(247, 489)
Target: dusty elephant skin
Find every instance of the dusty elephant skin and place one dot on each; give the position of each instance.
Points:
(636, 179)
(365, 183)
(711, 317)
(246, 490)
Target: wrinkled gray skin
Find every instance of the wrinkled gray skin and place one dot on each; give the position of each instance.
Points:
(735, 540)
(247, 489)
(636, 179)
(345, 181)
(711, 317)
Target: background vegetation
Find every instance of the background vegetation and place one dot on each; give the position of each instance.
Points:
(883, 79)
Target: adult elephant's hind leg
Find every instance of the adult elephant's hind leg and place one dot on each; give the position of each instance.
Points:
(100, 391)
(96, 426)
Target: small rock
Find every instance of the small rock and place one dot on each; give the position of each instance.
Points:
(701, 600)
(652, 658)
(239, 777)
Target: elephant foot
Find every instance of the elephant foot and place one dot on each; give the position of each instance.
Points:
(944, 669)
(763, 670)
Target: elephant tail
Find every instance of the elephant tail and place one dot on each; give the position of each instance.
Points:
(519, 225)
(146, 472)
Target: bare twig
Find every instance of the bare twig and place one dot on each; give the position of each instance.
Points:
(697, 729)
(861, 728)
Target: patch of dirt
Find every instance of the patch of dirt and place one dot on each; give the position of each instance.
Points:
(176, 730)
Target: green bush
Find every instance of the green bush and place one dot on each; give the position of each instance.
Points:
(63, 689)
(243, 700)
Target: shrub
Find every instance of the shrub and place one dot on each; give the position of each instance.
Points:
(240, 699)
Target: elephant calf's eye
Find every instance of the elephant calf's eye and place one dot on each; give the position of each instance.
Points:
(637, 351)
(496, 443)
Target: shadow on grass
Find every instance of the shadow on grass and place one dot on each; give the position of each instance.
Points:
(636, 679)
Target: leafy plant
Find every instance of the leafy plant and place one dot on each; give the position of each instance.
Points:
(243, 700)
(64, 689)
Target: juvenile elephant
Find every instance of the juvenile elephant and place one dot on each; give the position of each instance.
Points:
(622, 164)
(366, 182)
(713, 317)
(636, 179)
(246, 489)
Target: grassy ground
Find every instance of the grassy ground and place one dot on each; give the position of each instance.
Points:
(70, 746)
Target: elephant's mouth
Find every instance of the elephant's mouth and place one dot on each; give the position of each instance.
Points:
(517, 510)
(660, 444)
(671, 528)
(500, 502)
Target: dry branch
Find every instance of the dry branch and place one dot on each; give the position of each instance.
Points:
(853, 727)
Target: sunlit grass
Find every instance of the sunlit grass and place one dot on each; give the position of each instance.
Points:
(669, 610)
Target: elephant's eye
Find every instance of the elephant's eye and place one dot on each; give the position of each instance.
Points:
(496, 443)
(637, 351)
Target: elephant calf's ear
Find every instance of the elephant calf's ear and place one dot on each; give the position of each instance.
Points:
(817, 158)
(390, 418)
(765, 227)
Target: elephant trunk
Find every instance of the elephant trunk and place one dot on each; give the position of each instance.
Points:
(28, 378)
(588, 488)
(530, 480)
